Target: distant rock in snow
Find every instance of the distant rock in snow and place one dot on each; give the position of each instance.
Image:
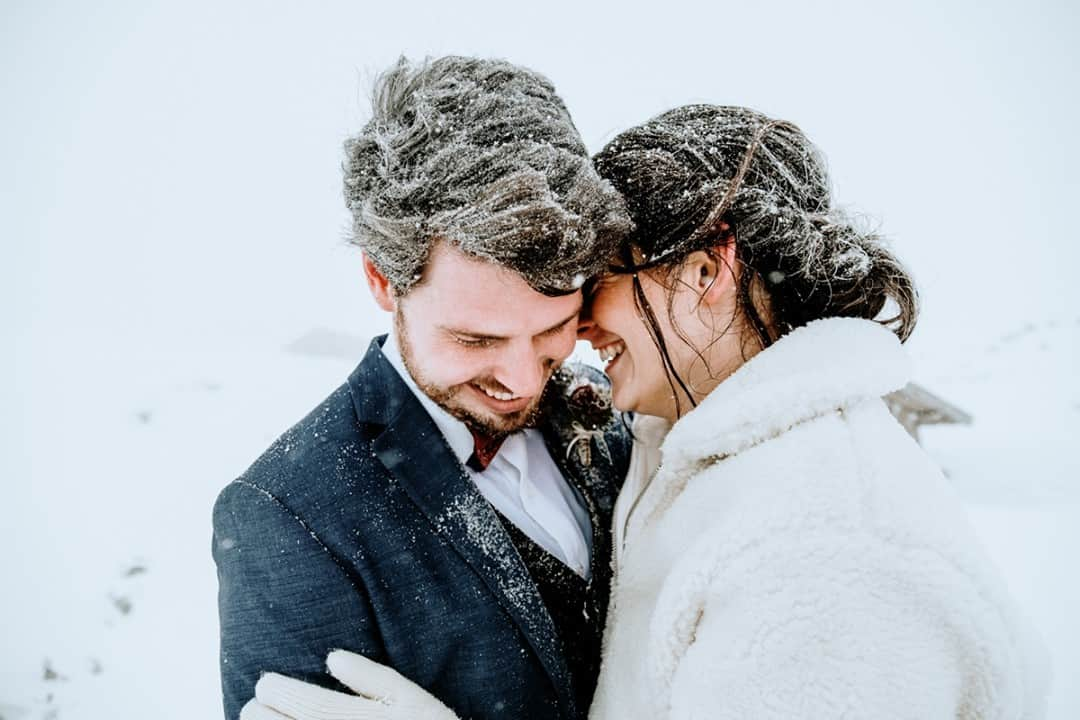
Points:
(122, 604)
(50, 674)
(915, 406)
(323, 342)
(134, 570)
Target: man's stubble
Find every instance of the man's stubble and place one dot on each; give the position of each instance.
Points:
(446, 397)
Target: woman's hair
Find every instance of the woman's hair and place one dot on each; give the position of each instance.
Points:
(700, 176)
(480, 154)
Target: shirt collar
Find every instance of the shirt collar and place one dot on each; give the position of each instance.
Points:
(458, 437)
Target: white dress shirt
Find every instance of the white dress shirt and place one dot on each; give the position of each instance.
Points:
(522, 481)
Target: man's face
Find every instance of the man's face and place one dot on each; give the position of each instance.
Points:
(481, 342)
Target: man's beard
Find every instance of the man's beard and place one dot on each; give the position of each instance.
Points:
(493, 425)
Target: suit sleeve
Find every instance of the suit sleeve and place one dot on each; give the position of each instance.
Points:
(284, 601)
(820, 632)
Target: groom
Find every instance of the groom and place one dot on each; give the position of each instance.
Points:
(446, 510)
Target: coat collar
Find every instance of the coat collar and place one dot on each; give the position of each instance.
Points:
(440, 487)
(823, 366)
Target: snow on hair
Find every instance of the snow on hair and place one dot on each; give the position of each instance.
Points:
(690, 169)
(483, 155)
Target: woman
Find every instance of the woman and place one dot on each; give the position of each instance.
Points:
(795, 554)
(783, 548)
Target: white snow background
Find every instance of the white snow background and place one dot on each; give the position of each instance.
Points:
(176, 291)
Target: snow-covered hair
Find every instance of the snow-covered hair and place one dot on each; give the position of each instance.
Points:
(480, 154)
(691, 171)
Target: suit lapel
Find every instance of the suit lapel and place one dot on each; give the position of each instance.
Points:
(586, 480)
(414, 451)
(591, 461)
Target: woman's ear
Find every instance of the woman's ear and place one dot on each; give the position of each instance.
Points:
(714, 273)
(379, 285)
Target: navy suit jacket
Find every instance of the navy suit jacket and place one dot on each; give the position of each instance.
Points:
(359, 529)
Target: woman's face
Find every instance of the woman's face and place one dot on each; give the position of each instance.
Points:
(611, 323)
(701, 305)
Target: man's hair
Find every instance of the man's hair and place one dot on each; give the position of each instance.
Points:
(482, 155)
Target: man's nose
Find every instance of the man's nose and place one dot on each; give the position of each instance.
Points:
(522, 370)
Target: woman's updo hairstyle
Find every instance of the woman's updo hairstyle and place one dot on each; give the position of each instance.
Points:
(690, 170)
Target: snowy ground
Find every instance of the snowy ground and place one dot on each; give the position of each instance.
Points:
(109, 603)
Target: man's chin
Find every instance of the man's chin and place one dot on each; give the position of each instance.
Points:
(486, 421)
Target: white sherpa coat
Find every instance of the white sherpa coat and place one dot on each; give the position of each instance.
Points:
(796, 555)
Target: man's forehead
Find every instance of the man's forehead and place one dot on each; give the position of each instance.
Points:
(467, 287)
(446, 259)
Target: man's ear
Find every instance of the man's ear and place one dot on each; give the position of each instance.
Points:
(379, 286)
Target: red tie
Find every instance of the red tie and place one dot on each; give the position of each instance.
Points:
(485, 448)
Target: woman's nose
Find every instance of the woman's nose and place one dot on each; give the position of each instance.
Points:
(586, 327)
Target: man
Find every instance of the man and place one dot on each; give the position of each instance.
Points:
(445, 511)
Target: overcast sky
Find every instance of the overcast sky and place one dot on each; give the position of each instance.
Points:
(172, 170)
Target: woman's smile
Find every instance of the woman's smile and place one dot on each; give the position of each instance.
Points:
(610, 352)
(612, 325)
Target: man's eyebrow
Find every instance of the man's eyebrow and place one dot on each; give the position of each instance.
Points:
(482, 336)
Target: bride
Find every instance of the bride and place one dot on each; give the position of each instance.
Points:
(783, 548)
